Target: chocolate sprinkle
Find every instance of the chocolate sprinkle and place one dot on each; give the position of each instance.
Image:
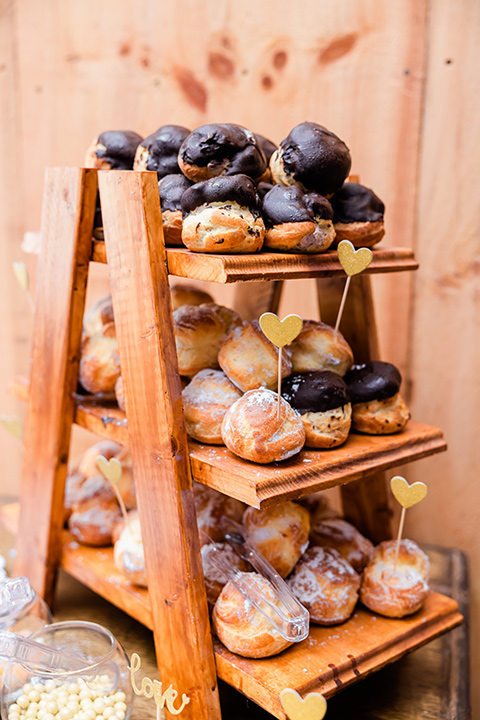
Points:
(373, 381)
(316, 391)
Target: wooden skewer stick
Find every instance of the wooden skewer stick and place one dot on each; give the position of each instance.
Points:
(112, 471)
(342, 303)
(279, 380)
(399, 537)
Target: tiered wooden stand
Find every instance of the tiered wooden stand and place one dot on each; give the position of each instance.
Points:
(164, 462)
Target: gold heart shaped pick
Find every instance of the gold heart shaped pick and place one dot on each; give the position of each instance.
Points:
(312, 707)
(111, 469)
(353, 261)
(13, 425)
(407, 495)
(280, 332)
(21, 273)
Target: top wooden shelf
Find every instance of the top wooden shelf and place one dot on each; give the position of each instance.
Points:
(268, 266)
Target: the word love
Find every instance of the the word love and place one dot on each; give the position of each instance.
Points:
(153, 688)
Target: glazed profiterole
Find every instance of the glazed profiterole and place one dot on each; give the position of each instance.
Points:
(313, 158)
(171, 189)
(99, 361)
(342, 536)
(221, 149)
(377, 406)
(183, 294)
(296, 221)
(113, 150)
(222, 215)
(323, 401)
(251, 428)
(320, 347)
(206, 399)
(159, 151)
(358, 215)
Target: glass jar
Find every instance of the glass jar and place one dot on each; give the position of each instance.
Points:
(22, 610)
(102, 688)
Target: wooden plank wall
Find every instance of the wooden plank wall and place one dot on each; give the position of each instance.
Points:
(394, 79)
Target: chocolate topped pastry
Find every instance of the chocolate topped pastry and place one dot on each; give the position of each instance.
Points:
(221, 149)
(297, 221)
(263, 188)
(323, 401)
(378, 408)
(113, 150)
(267, 146)
(159, 151)
(313, 158)
(221, 215)
(373, 381)
(315, 391)
(171, 189)
(358, 215)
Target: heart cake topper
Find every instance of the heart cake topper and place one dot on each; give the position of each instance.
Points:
(312, 707)
(353, 261)
(13, 425)
(407, 495)
(280, 332)
(111, 469)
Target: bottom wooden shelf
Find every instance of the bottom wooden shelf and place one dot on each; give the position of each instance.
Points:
(329, 660)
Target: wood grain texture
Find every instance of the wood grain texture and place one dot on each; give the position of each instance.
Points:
(67, 223)
(157, 437)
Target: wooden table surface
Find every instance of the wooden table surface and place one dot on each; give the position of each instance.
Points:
(432, 683)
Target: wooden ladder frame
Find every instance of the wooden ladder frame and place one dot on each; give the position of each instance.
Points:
(158, 441)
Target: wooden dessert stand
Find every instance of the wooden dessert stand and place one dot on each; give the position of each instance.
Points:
(164, 462)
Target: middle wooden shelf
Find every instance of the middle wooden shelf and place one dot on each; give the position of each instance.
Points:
(261, 485)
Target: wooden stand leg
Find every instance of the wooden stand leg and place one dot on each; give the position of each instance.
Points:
(67, 224)
(158, 441)
(365, 502)
(251, 299)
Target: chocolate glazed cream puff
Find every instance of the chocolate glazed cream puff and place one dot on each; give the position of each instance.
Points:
(323, 401)
(113, 150)
(313, 158)
(221, 149)
(377, 407)
(296, 221)
(222, 215)
(171, 189)
(358, 215)
(159, 151)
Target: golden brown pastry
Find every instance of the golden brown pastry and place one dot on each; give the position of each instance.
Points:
(240, 626)
(99, 361)
(319, 507)
(399, 593)
(98, 315)
(89, 468)
(206, 399)
(199, 332)
(326, 585)
(75, 480)
(210, 506)
(119, 394)
(113, 150)
(344, 537)
(128, 553)
(188, 295)
(280, 533)
(120, 524)
(323, 402)
(250, 360)
(94, 512)
(358, 215)
(377, 406)
(252, 430)
(222, 215)
(214, 578)
(320, 347)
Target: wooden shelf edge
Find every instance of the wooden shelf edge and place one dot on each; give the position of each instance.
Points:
(225, 269)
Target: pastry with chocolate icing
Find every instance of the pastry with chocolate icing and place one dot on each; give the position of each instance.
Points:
(320, 347)
(296, 221)
(377, 406)
(313, 158)
(358, 215)
(267, 146)
(113, 150)
(159, 151)
(171, 189)
(323, 401)
(221, 149)
(222, 215)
